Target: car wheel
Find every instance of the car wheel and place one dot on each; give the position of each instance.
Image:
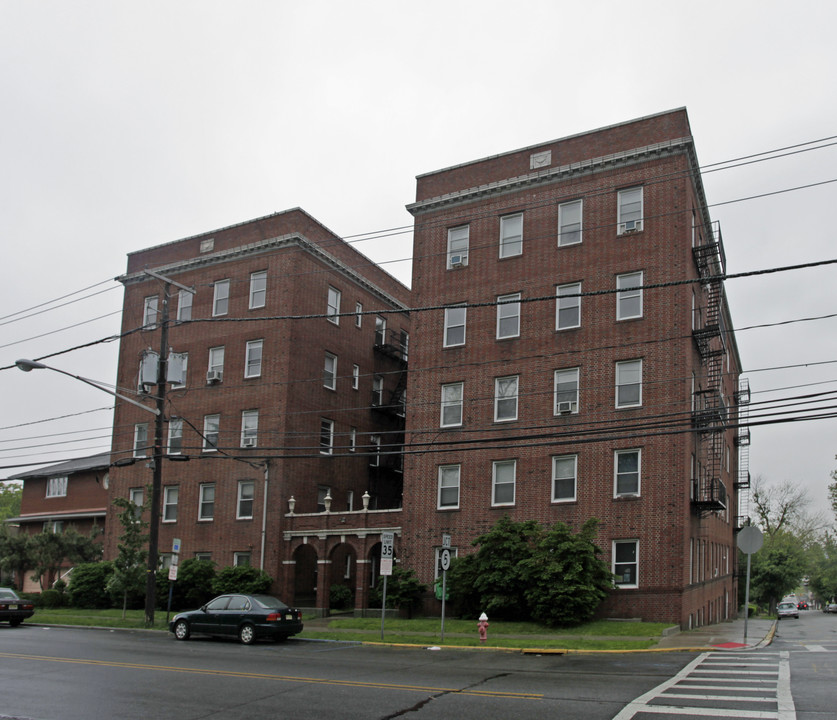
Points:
(181, 630)
(247, 634)
(281, 638)
(15, 623)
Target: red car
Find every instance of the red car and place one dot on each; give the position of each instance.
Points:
(802, 605)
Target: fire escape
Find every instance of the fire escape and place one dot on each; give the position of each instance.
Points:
(710, 413)
(742, 441)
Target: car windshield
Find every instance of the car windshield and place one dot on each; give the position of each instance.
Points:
(8, 595)
(269, 603)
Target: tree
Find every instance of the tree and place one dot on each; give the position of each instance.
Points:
(129, 566)
(14, 554)
(241, 579)
(776, 569)
(783, 507)
(49, 550)
(10, 496)
(823, 570)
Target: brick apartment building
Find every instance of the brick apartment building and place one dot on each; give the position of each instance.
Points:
(284, 429)
(72, 494)
(580, 363)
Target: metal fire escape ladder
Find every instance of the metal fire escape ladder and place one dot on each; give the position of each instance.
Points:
(742, 441)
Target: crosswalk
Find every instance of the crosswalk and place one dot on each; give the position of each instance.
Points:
(729, 685)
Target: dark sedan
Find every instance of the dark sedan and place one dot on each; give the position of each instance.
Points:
(247, 617)
(13, 609)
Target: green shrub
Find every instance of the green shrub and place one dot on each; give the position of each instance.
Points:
(340, 597)
(88, 585)
(193, 587)
(241, 579)
(50, 599)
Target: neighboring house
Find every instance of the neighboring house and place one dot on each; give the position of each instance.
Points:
(582, 363)
(70, 494)
(320, 398)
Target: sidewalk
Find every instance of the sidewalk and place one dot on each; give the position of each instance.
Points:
(727, 635)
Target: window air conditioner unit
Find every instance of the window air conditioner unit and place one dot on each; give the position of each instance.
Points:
(213, 376)
(248, 442)
(458, 260)
(630, 226)
(565, 408)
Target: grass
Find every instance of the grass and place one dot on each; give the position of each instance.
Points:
(595, 635)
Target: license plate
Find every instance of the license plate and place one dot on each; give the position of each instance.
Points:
(12, 607)
(289, 617)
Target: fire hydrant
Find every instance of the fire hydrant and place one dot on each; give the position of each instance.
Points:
(482, 627)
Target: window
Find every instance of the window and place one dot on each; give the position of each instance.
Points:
(137, 497)
(170, 494)
(140, 440)
(377, 390)
(178, 379)
(505, 398)
(508, 316)
(566, 391)
(629, 383)
(326, 436)
(457, 246)
(333, 307)
(330, 372)
(149, 312)
(625, 562)
(375, 450)
(452, 395)
(249, 428)
(323, 491)
(350, 500)
(253, 358)
(175, 436)
(258, 289)
(54, 526)
(184, 305)
(448, 487)
(241, 559)
(564, 473)
(502, 482)
(568, 306)
(569, 223)
(206, 503)
(215, 367)
(380, 330)
(211, 427)
(511, 235)
(56, 486)
(203, 556)
(626, 468)
(355, 377)
(630, 210)
(455, 326)
(358, 314)
(405, 345)
(353, 439)
(629, 296)
(221, 298)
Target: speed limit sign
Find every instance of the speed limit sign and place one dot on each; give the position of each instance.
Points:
(387, 552)
(444, 559)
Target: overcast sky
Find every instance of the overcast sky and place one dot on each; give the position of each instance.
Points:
(126, 125)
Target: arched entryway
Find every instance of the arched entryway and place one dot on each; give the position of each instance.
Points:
(343, 574)
(305, 576)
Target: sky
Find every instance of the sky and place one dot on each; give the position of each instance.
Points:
(127, 125)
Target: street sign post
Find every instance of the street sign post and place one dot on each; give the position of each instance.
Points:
(387, 555)
(749, 541)
(444, 562)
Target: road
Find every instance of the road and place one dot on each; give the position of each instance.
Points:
(69, 674)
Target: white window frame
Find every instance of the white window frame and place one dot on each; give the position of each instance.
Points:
(635, 563)
(568, 304)
(171, 494)
(617, 454)
(568, 234)
(458, 242)
(184, 357)
(175, 439)
(629, 293)
(330, 371)
(508, 313)
(452, 402)
(377, 390)
(211, 426)
(355, 377)
(56, 486)
(242, 559)
(563, 463)
(221, 298)
(137, 497)
(253, 356)
(216, 360)
(502, 398)
(249, 427)
(629, 219)
(353, 439)
(450, 478)
(258, 289)
(453, 323)
(206, 502)
(358, 314)
(375, 450)
(495, 466)
(625, 369)
(333, 305)
(141, 440)
(184, 305)
(327, 435)
(380, 330)
(511, 235)
(566, 376)
(150, 307)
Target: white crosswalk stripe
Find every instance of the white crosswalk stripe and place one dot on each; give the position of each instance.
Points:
(736, 685)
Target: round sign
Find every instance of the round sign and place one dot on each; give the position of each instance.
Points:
(444, 559)
(750, 539)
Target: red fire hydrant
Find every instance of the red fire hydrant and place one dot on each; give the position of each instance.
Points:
(482, 627)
